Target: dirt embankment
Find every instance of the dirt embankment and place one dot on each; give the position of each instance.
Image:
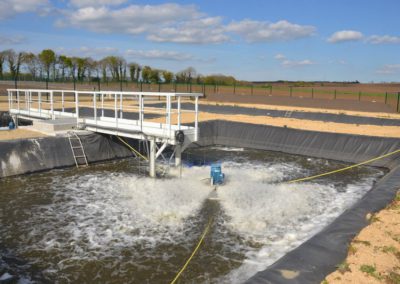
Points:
(374, 255)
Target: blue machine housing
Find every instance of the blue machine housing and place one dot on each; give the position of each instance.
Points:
(216, 175)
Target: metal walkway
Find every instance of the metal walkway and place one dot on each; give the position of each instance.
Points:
(166, 129)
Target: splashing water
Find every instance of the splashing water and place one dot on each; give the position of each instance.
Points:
(111, 225)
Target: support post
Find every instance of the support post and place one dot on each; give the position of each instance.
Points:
(152, 159)
(385, 97)
(178, 155)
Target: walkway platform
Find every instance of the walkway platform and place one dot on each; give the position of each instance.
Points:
(106, 114)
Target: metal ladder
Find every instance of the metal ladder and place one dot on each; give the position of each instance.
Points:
(77, 149)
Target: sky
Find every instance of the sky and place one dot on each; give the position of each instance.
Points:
(254, 40)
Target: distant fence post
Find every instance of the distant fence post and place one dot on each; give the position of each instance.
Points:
(270, 90)
(334, 95)
(398, 102)
(385, 97)
(234, 88)
(141, 86)
(312, 93)
(359, 95)
(290, 90)
(252, 88)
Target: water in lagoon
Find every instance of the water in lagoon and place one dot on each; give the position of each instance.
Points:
(109, 223)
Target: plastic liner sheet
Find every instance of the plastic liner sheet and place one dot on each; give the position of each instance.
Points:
(39, 154)
(312, 261)
(336, 146)
(319, 116)
(317, 257)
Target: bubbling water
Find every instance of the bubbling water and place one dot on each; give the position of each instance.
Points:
(123, 227)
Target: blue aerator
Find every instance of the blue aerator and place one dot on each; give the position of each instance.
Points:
(216, 175)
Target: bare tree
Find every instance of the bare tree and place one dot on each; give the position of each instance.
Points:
(2, 59)
(14, 61)
(32, 64)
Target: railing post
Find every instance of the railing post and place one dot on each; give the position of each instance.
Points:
(196, 121)
(77, 107)
(290, 90)
(115, 110)
(312, 93)
(18, 101)
(62, 100)
(169, 114)
(359, 95)
(252, 87)
(102, 104)
(40, 103)
(95, 108)
(121, 97)
(52, 105)
(334, 95)
(385, 97)
(179, 112)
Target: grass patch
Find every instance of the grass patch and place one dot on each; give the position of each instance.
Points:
(393, 278)
(366, 243)
(389, 249)
(370, 270)
(352, 250)
(343, 267)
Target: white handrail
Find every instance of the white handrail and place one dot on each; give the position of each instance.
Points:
(32, 103)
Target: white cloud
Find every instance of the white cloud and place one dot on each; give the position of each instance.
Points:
(88, 3)
(133, 19)
(160, 23)
(292, 63)
(385, 39)
(159, 54)
(173, 22)
(347, 35)
(85, 51)
(9, 8)
(204, 30)
(11, 39)
(257, 31)
(389, 69)
(280, 56)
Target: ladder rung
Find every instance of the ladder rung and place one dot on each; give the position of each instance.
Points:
(76, 147)
(80, 157)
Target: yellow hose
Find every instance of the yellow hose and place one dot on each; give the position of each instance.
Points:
(132, 149)
(292, 181)
(345, 168)
(194, 251)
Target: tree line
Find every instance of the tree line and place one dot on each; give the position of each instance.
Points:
(50, 66)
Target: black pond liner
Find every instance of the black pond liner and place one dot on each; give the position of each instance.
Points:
(316, 116)
(312, 260)
(319, 256)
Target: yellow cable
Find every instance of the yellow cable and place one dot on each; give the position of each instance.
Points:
(194, 251)
(132, 149)
(292, 181)
(346, 168)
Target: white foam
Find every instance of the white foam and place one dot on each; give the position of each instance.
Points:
(98, 215)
